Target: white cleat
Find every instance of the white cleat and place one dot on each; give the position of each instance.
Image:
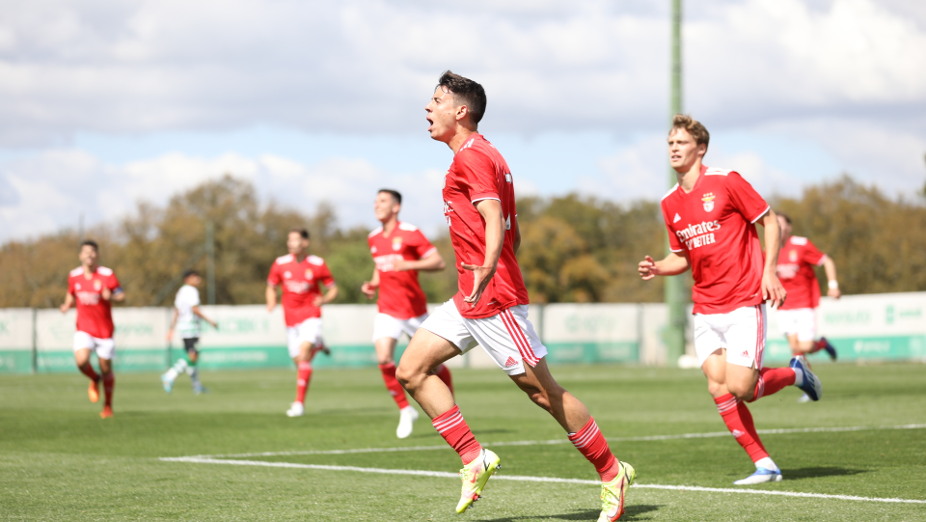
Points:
(296, 410)
(761, 476)
(407, 417)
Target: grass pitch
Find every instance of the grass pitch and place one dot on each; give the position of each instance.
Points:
(232, 454)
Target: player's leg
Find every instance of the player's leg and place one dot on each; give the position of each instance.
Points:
(385, 350)
(192, 369)
(105, 351)
(440, 338)
(83, 347)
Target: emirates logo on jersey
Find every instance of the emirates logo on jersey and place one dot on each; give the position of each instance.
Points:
(708, 200)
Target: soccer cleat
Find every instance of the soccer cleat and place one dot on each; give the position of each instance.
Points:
(167, 382)
(830, 349)
(761, 476)
(474, 476)
(198, 389)
(107, 412)
(93, 391)
(407, 417)
(811, 384)
(613, 493)
(297, 409)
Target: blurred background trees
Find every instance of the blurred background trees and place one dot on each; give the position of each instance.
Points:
(573, 249)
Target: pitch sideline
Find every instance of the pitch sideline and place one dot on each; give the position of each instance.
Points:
(236, 460)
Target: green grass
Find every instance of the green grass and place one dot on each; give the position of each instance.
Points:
(60, 461)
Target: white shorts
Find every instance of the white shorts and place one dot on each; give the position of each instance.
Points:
(508, 337)
(384, 325)
(799, 321)
(742, 332)
(308, 331)
(103, 348)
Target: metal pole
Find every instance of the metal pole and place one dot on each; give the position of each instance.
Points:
(676, 302)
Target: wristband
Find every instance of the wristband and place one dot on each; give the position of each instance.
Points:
(832, 284)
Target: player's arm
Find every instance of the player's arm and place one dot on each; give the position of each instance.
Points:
(517, 234)
(772, 290)
(491, 212)
(829, 267)
(369, 287)
(270, 295)
(433, 262)
(68, 302)
(331, 293)
(199, 313)
(672, 264)
(116, 294)
(173, 323)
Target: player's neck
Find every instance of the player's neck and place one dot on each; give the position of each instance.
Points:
(458, 139)
(89, 270)
(390, 224)
(687, 179)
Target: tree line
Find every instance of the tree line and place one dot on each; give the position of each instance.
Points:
(574, 248)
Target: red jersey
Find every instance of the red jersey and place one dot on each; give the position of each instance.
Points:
(479, 172)
(714, 226)
(94, 314)
(796, 260)
(301, 285)
(400, 294)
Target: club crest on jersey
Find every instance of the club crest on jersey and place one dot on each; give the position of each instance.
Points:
(309, 275)
(792, 256)
(97, 285)
(708, 200)
(396, 244)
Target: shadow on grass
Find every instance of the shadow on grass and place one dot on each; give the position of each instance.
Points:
(631, 513)
(819, 471)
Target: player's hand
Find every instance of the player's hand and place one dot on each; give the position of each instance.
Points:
(64, 308)
(772, 290)
(106, 294)
(647, 268)
(368, 290)
(319, 300)
(481, 277)
(834, 293)
(271, 306)
(399, 265)
(170, 334)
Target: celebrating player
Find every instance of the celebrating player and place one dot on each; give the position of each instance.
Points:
(399, 251)
(303, 279)
(710, 216)
(93, 288)
(490, 306)
(186, 317)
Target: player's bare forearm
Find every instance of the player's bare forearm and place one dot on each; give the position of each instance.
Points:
(672, 264)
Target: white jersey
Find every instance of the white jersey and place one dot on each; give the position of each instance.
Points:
(187, 322)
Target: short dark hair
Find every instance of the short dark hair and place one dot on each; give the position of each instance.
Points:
(467, 92)
(394, 193)
(784, 216)
(188, 273)
(90, 243)
(303, 233)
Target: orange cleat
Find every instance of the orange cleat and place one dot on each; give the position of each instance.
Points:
(93, 391)
(107, 412)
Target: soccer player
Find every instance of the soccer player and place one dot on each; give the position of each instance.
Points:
(186, 318)
(711, 217)
(490, 306)
(93, 288)
(307, 285)
(399, 251)
(797, 315)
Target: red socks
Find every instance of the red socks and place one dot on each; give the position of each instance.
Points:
(592, 444)
(453, 428)
(736, 416)
(772, 380)
(87, 370)
(303, 376)
(109, 386)
(392, 384)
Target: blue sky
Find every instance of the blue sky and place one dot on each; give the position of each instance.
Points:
(105, 104)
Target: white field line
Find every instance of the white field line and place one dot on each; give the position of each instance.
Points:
(229, 460)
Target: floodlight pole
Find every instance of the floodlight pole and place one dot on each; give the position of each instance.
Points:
(674, 334)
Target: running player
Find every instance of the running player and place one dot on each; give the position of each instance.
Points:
(93, 288)
(399, 251)
(710, 216)
(490, 306)
(185, 318)
(307, 285)
(797, 316)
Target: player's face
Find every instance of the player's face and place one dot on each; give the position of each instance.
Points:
(295, 243)
(784, 227)
(442, 115)
(385, 206)
(88, 255)
(684, 153)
